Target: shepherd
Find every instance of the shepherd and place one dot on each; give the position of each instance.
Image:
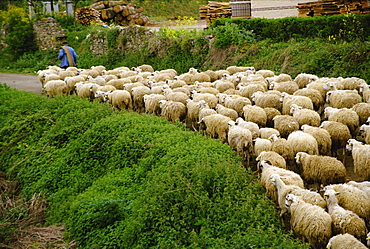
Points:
(68, 56)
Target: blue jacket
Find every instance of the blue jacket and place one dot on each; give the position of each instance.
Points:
(63, 56)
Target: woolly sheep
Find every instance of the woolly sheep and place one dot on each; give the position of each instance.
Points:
(270, 114)
(176, 96)
(265, 73)
(305, 116)
(129, 86)
(240, 139)
(283, 148)
(151, 103)
(288, 100)
(343, 98)
(231, 113)
(317, 98)
(71, 82)
(118, 83)
(320, 169)
(364, 91)
(361, 157)
(266, 132)
(212, 74)
(322, 137)
(210, 90)
(283, 190)
(319, 86)
(235, 102)
(339, 134)
(64, 73)
(204, 110)
(249, 90)
(102, 90)
(236, 69)
(287, 86)
(288, 176)
(266, 99)
(255, 114)
(365, 132)
(192, 114)
(172, 110)
(261, 144)
(364, 186)
(345, 116)
(145, 68)
(216, 126)
(54, 88)
(344, 241)
(176, 83)
(223, 85)
(344, 221)
(303, 142)
(303, 79)
(273, 158)
(137, 94)
(352, 83)
(363, 111)
(253, 127)
(211, 99)
(353, 199)
(120, 99)
(309, 222)
(285, 124)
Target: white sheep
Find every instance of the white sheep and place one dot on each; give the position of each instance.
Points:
(210, 99)
(223, 85)
(151, 103)
(120, 99)
(192, 114)
(266, 99)
(54, 88)
(316, 96)
(285, 124)
(216, 126)
(345, 116)
(303, 142)
(363, 111)
(344, 221)
(343, 98)
(283, 190)
(228, 112)
(253, 127)
(86, 90)
(344, 241)
(266, 132)
(204, 110)
(288, 87)
(305, 116)
(248, 90)
(261, 144)
(256, 114)
(361, 157)
(365, 132)
(353, 199)
(303, 79)
(137, 94)
(322, 137)
(71, 82)
(273, 158)
(320, 169)
(288, 100)
(240, 139)
(364, 186)
(235, 102)
(283, 148)
(172, 110)
(309, 222)
(118, 83)
(265, 73)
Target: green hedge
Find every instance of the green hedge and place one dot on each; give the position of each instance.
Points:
(128, 180)
(347, 27)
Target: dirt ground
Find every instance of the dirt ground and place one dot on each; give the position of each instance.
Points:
(22, 82)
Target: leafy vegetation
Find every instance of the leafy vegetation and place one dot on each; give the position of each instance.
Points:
(127, 180)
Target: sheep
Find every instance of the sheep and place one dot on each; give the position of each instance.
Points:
(352, 83)
(273, 158)
(365, 133)
(210, 90)
(176, 83)
(231, 113)
(223, 85)
(54, 88)
(266, 99)
(288, 87)
(303, 79)
(240, 139)
(283, 148)
(288, 176)
(192, 114)
(253, 127)
(266, 132)
(344, 221)
(305, 116)
(207, 97)
(249, 90)
(317, 98)
(212, 74)
(270, 114)
(320, 169)
(345, 116)
(303, 142)
(265, 73)
(322, 137)
(86, 90)
(64, 73)
(343, 98)
(255, 114)
(129, 86)
(339, 134)
(285, 124)
(118, 83)
(309, 222)
(319, 86)
(236, 69)
(120, 99)
(364, 91)
(201, 77)
(364, 186)
(288, 100)
(102, 90)
(204, 110)
(71, 82)
(176, 96)
(158, 77)
(235, 102)
(172, 110)
(363, 111)
(353, 199)
(145, 68)
(283, 190)
(151, 103)
(137, 94)
(361, 157)
(216, 126)
(344, 241)
(261, 144)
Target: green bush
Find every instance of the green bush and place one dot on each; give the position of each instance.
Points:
(128, 180)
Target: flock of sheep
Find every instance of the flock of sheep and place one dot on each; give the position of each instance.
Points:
(300, 131)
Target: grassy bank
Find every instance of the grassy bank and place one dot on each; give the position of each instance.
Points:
(126, 180)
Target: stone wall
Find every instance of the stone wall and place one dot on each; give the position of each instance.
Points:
(48, 34)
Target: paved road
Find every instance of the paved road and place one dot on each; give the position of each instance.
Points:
(22, 82)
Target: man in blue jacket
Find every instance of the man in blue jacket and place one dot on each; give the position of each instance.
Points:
(68, 56)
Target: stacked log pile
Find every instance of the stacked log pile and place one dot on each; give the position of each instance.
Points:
(215, 10)
(120, 12)
(336, 7)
